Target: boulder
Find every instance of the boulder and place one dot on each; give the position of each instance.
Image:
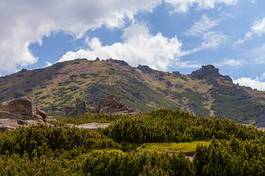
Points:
(145, 69)
(19, 112)
(21, 107)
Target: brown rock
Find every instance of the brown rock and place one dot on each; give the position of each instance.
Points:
(21, 108)
(19, 112)
(41, 113)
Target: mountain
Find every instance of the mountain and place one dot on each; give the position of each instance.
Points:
(203, 92)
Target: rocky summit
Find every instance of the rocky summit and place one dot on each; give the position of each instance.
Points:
(113, 86)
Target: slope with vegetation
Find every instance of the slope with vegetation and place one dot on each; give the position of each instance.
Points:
(204, 92)
(159, 143)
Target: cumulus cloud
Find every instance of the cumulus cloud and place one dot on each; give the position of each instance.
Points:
(257, 29)
(184, 5)
(24, 22)
(138, 46)
(253, 83)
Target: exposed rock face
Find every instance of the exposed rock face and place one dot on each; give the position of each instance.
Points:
(111, 105)
(21, 108)
(79, 109)
(176, 73)
(145, 69)
(209, 72)
(120, 62)
(19, 112)
(206, 72)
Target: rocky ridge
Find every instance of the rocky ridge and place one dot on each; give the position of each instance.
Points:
(204, 92)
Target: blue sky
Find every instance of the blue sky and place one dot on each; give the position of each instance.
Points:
(167, 35)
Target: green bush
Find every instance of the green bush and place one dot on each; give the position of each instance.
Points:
(233, 158)
(118, 163)
(175, 126)
(43, 139)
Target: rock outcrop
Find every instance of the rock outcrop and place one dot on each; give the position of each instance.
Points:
(145, 69)
(19, 112)
(209, 72)
(111, 105)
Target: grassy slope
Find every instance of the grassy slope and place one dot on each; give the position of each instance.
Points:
(58, 86)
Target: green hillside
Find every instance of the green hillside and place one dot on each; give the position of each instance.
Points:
(204, 92)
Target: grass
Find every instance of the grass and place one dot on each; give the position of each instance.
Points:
(185, 147)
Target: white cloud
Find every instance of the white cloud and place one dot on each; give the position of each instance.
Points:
(138, 46)
(184, 5)
(210, 39)
(257, 29)
(213, 40)
(48, 64)
(253, 83)
(203, 25)
(23, 22)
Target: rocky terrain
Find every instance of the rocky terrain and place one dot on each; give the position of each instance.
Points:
(20, 112)
(113, 86)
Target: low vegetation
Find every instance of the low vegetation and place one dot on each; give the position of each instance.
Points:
(187, 148)
(160, 143)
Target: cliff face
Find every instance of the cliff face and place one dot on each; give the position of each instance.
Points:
(203, 92)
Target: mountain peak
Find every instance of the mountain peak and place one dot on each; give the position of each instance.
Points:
(209, 72)
(145, 69)
(205, 72)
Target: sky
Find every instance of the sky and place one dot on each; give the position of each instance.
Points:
(168, 35)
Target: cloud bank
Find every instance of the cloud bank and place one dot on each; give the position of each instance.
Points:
(23, 22)
(253, 83)
(27, 21)
(138, 46)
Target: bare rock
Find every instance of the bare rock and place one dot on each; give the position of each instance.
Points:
(41, 113)
(209, 72)
(145, 69)
(19, 112)
(21, 107)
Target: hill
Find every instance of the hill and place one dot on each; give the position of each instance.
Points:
(203, 92)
